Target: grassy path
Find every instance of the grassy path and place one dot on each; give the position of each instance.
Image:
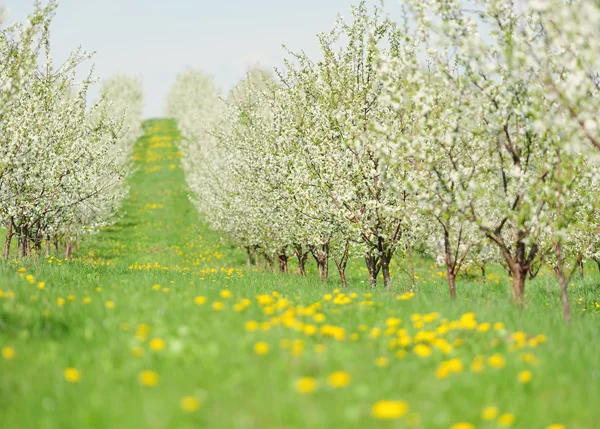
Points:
(156, 324)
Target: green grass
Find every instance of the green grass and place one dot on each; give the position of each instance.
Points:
(160, 240)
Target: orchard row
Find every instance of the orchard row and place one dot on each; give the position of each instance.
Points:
(63, 163)
(470, 134)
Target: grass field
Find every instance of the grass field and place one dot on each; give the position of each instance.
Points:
(157, 324)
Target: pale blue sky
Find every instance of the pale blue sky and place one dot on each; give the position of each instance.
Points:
(156, 39)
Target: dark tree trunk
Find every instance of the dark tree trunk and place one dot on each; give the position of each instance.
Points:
(321, 255)
(55, 239)
(268, 265)
(373, 266)
(385, 269)
(9, 236)
(597, 261)
(302, 258)
(248, 257)
(283, 261)
(256, 257)
(38, 244)
(580, 265)
(482, 268)
(47, 246)
(342, 262)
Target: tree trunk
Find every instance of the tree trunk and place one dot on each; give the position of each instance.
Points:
(563, 282)
(302, 257)
(482, 268)
(342, 262)
(21, 245)
(321, 255)
(68, 249)
(9, 236)
(412, 268)
(22, 242)
(597, 261)
(451, 282)
(55, 239)
(248, 257)
(373, 266)
(283, 261)
(385, 269)
(47, 246)
(38, 244)
(580, 264)
(518, 284)
(268, 265)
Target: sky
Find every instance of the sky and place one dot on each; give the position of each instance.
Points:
(156, 39)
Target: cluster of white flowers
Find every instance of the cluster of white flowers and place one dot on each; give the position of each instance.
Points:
(466, 131)
(62, 163)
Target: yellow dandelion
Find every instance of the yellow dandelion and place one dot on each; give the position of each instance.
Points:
(506, 419)
(8, 352)
(462, 425)
(306, 385)
(339, 379)
(251, 326)
(157, 344)
(382, 361)
(110, 305)
(525, 377)
(422, 350)
(496, 361)
(556, 426)
(148, 378)
(261, 348)
(217, 306)
(489, 413)
(389, 410)
(190, 404)
(41, 285)
(72, 375)
(225, 293)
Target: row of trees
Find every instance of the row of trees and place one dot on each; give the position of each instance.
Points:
(467, 133)
(62, 162)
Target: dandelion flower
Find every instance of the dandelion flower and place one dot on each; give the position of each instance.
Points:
(489, 413)
(157, 344)
(148, 378)
(306, 385)
(261, 348)
(525, 377)
(8, 352)
(506, 419)
(422, 350)
(72, 375)
(496, 361)
(389, 410)
(339, 379)
(189, 404)
(462, 425)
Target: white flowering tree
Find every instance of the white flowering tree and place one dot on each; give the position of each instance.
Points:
(61, 160)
